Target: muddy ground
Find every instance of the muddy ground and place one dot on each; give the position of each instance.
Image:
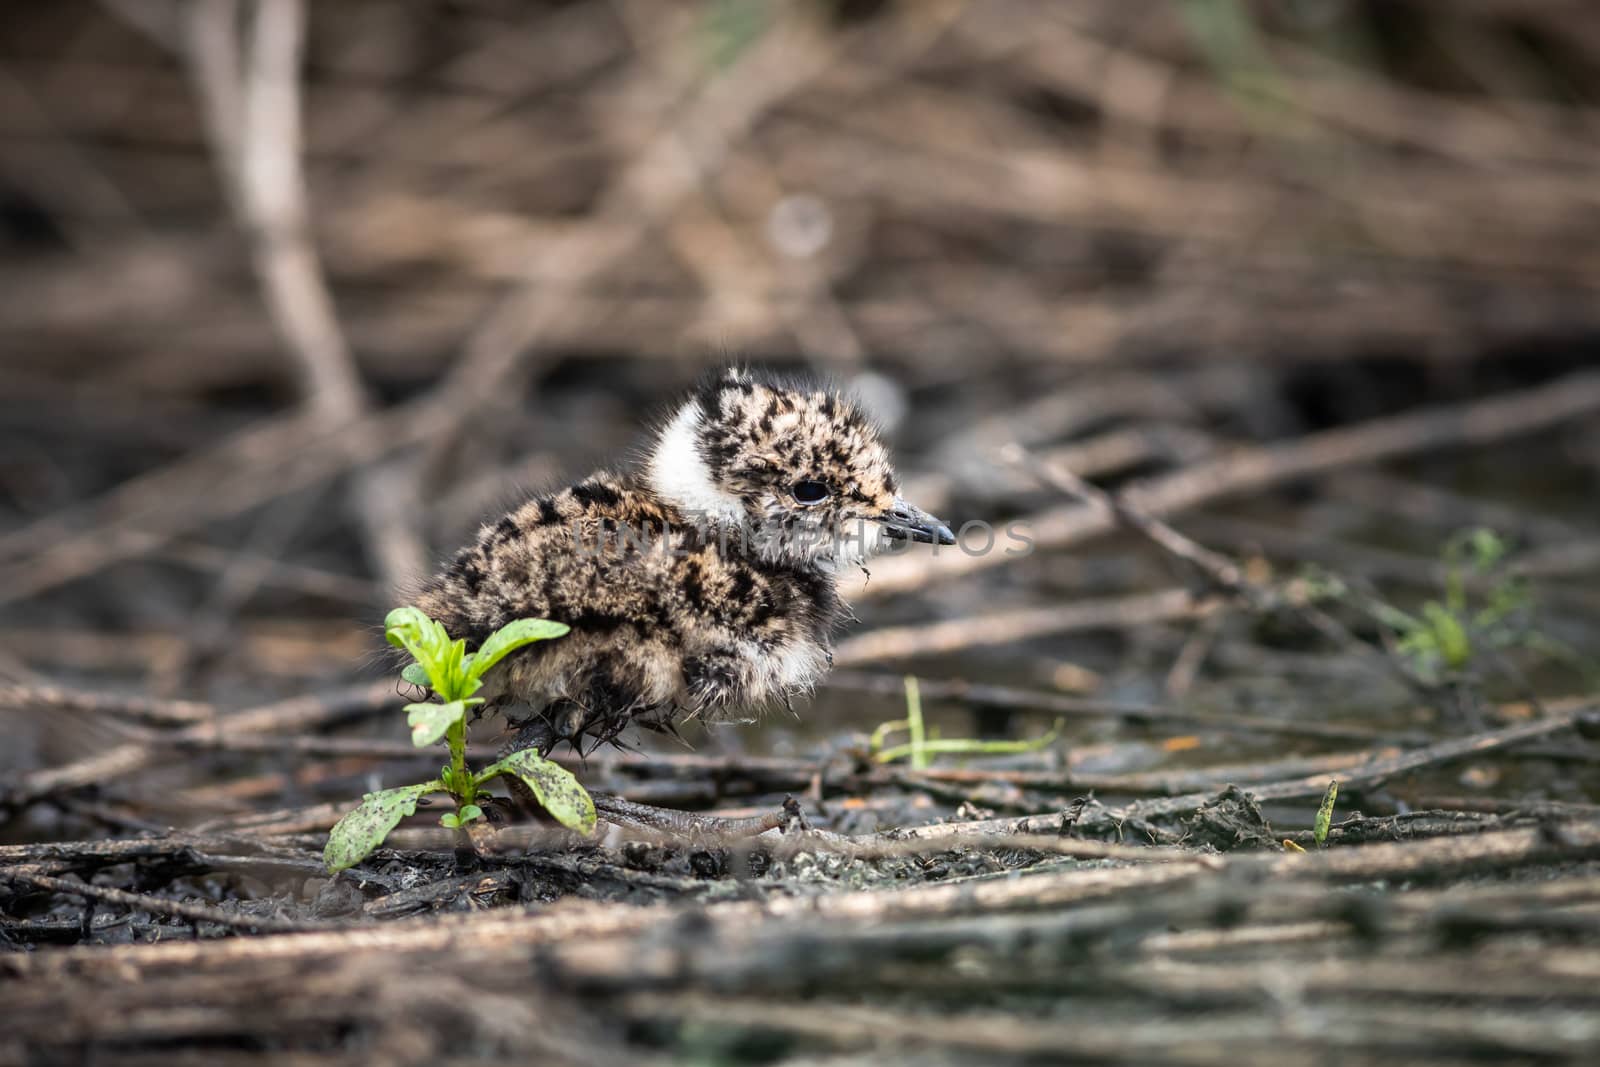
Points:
(1146, 887)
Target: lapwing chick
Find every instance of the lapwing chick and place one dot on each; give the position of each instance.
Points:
(703, 582)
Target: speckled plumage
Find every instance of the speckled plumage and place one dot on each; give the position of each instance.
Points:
(698, 583)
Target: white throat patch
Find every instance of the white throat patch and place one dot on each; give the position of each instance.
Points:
(679, 475)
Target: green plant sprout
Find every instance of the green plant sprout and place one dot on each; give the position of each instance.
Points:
(920, 747)
(1442, 639)
(1324, 819)
(454, 675)
(1483, 608)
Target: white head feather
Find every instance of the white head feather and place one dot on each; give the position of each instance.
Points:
(679, 474)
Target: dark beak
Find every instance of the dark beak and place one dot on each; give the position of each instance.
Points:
(909, 521)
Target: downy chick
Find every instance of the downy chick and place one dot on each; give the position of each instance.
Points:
(704, 581)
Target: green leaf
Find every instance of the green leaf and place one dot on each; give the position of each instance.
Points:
(455, 652)
(561, 794)
(404, 626)
(409, 628)
(919, 752)
(508, 639)
(1454, 645)
(1324, 819)
(354, 837)
(430, 721)
(453, 819)
(415, 675)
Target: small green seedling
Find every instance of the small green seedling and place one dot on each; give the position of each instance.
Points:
(1484, 608)
(920, 747)
(454, 675)
(1442, 640)
(1324, 819)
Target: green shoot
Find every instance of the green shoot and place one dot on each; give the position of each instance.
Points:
(1483, 608)
(919, 747)
(919, 754)
(1324, 819)
(882, 731)
(968, 746)
(454, 675)
(362, 830)
(1444, 640)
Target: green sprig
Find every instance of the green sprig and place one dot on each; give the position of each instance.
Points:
(454, 675)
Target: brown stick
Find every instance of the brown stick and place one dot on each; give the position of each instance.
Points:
(296, 713)
(195, 913)
(33, 698)
(1007, 627)
(1562, 715)
(1267, 466)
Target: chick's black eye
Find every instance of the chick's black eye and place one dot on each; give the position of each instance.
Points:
(810, 492)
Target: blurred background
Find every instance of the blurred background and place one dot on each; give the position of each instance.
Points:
(293, 296)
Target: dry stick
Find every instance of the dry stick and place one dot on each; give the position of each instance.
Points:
(582, 924)
(274, 572)
(1218, 569)
(1263, 467)
(253, 116)
(873, 847)
(1424, 982)
(275, 651)
(1225, 1036)
(990, 1034)
(33, 698)
(1102, 453)
(296, 713)
(279, 456)
(144, 496)
(663, 174)
(1169, 782)
(1008, 627)
(705, 776)
(1376, 770)
(998, 696)
(195, 913)
(187, 851)
(1562, 714)
(1448, 509)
